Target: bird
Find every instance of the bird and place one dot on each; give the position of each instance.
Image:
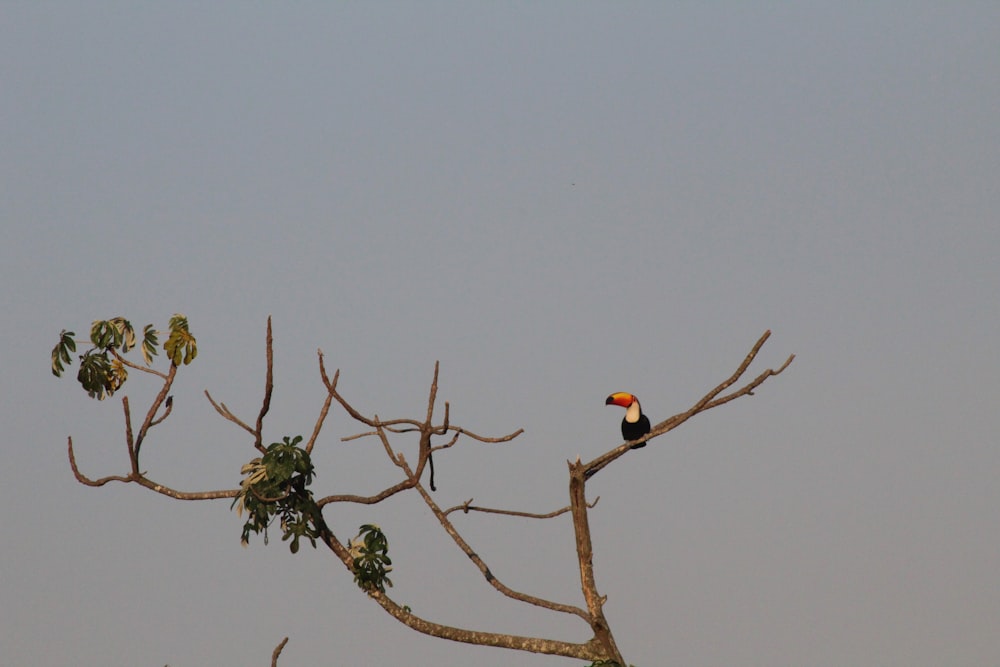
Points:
(635, 424)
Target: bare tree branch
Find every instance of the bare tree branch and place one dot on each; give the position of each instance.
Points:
(144, 369)
(148, 421)
(707, 402)
(142, 480)
(585, 558)
(481, 438)
(366, 500)
(393, 424)
(481, 564)
(129, 440)
(277, 652)
(258, 431)
(83, 479)
(591, 650)
(447, 445)
(407, 483)
(324, 410)
(168, 406)
(268, 389)
(467, 507)
(433, 394)
(227, 414)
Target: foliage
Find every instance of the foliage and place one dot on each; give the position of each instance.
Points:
(370, 550)
(275, 486)
(181, 345)
(103, 368)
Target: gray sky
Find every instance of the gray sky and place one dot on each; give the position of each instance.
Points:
(557, 201)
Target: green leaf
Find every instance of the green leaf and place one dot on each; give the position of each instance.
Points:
(117, 375)
(126, 334)
(149, 343)
(181, 346)
(274, 487)
(95, 375)
(102, 334)
(61, 352)
(371, 561)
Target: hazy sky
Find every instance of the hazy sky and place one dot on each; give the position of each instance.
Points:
(557, 201)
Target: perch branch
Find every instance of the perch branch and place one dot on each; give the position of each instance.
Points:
(707, 402)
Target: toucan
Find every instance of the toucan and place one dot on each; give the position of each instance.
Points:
(635, 424)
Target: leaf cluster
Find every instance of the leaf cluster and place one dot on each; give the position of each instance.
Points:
(103, 371)
(180, 345)
(274, 486)
(370, 550)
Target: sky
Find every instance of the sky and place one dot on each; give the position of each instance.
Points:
(556, 201)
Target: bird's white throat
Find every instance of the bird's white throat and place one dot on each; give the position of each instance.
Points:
(632, 412)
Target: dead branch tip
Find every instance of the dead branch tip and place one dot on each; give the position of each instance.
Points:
(281, 646)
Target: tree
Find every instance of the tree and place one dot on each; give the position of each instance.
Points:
(276, 484)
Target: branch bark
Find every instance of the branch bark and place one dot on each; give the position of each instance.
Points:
(277, 652)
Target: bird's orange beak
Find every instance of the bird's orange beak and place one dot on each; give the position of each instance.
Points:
(621, 398)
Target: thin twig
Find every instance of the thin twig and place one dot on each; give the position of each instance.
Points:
(228, 414)
(168, 407)
(380, 432)
(392, 425)
(277, 652)
(433, 394)
(366, 500)
(467, 507)
(129, 440)
(83, 479)
(444, 427)
(268, 389)
(450, 443)
(153, 409)
(482, 438)
(322, 415)
(130, 364)
(457, 430)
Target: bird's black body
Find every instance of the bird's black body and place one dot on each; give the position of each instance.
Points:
(635, 430)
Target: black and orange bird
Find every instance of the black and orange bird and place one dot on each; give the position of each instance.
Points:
(635, 424)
